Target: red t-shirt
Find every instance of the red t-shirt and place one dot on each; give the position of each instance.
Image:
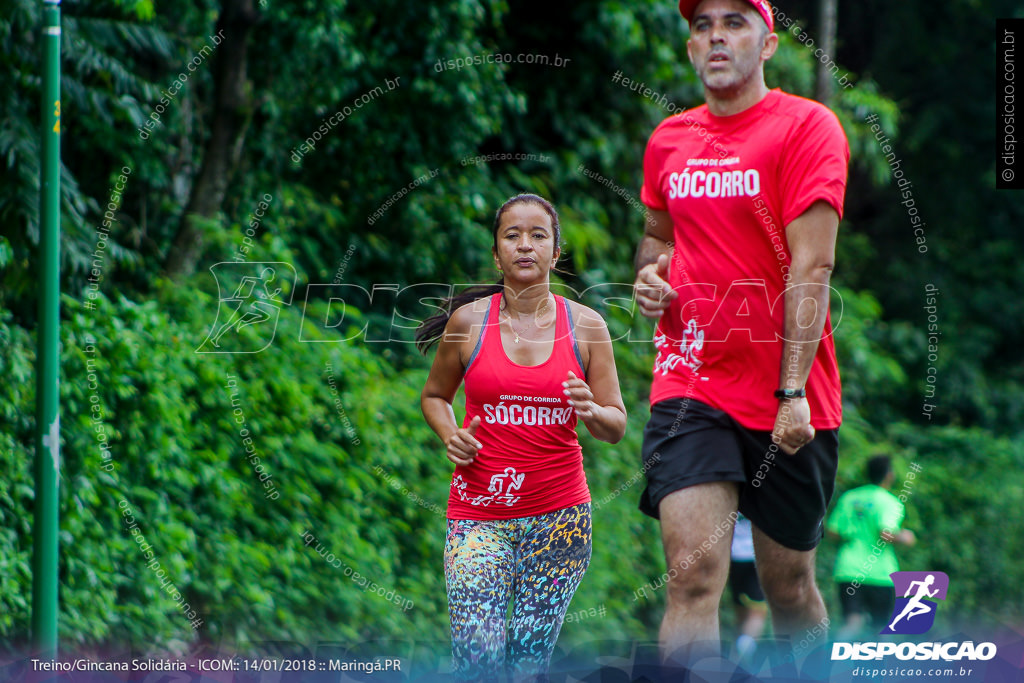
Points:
(531, 462)
(732, 184)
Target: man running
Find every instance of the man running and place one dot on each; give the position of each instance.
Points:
(745, 194)
(868, 521)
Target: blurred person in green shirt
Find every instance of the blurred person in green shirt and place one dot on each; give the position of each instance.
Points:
(867, 521)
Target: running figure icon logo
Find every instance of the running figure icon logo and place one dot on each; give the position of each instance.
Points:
(914, 612)
(502, 488)
(513, 479)
(250, 295)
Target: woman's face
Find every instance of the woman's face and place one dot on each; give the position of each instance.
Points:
(526, 248)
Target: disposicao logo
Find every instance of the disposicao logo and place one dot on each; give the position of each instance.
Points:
(916, 593)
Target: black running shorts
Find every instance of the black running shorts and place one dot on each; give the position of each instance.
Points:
(687, 442)
(875, 602)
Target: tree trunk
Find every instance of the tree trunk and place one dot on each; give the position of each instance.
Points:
(826, 82)
(232, 111)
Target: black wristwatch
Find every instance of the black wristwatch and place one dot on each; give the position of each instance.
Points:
(790, 393)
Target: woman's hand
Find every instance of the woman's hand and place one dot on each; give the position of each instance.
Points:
(604, 422)
(581, 398)
(462, 445)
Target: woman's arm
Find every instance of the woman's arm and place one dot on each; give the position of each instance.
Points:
(597, 400)
(442, 384)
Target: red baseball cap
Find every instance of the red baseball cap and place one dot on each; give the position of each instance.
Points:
(687, 7)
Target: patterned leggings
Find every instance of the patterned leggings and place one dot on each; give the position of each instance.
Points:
(536, 563)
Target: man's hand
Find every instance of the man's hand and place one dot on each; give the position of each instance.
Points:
(905, 537)
(653, 292)
(463, 446)
(793, 428)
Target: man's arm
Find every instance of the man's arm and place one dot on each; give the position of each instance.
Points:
(812, 244)
(653, 255)
(902, 537)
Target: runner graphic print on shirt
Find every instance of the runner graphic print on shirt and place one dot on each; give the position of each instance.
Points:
(500, 493)
(689, 349)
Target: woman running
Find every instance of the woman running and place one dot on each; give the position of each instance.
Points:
(519, 508)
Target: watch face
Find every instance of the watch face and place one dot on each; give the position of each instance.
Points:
(790, 393)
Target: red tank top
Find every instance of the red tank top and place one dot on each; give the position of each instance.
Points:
(531, 462)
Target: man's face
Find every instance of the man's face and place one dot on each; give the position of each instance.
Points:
(728, 42)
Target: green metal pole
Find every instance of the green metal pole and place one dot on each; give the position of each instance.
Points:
(47, 466)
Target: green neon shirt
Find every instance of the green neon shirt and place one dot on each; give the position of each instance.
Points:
(860, 516)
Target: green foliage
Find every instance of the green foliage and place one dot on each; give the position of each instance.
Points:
(179, 461)
(102, 99)
(853, 107)
(874, 378)
(966, 470)
(950, 500)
